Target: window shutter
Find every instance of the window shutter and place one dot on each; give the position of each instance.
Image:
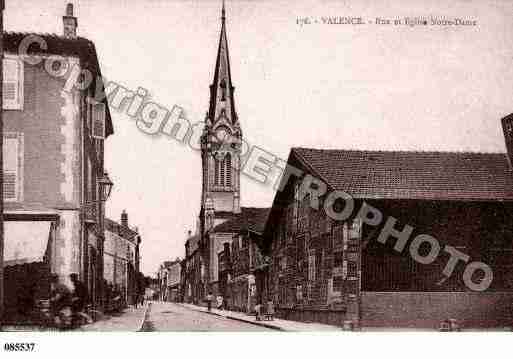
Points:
(228, 170)
(11, 175)
(217, 172)
(311, 267)
(99, 121)
(344, 269)
(222, 165)
(12, 85)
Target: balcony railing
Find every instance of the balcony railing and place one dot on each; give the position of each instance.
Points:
(91, 212)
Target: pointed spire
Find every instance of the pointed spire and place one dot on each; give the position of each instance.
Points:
(221, 91)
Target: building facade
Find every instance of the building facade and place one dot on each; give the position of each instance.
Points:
(194, 271)
(220, 154)
(239, 261)
(121, 259)
(221, 143)
(53, 162)
(174, 281)
(170, 280)
(384, 261)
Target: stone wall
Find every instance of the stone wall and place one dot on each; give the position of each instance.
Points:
(428, 309)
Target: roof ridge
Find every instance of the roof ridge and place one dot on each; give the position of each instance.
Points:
(47, 34)
(255, 207)
(395, 151)
(411, 174)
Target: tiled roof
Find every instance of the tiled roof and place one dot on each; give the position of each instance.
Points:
(412, 175)
(168, 264)
(193, 242)
(122, 231)
(59, 45)
(250, 218)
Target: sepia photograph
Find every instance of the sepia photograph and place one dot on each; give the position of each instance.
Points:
(178, 166)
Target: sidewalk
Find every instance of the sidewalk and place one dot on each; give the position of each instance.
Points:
(278, 324)
(131, 320)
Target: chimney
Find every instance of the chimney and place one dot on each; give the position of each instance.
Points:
(507, 128)
(226, 248)
(124, 219)
(70, 23)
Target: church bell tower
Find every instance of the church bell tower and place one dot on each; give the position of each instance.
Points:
(220, 144)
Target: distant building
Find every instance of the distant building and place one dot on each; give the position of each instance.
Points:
(169, 274)
(53, 161)
(238, 262)
(174, 281)
(121, 259)
(221, 146)
(183, 271)
(194, 273)
(332, 271)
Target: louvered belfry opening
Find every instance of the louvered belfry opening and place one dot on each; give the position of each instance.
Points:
(223, 171)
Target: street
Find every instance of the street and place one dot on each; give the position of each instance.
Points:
(163, 316)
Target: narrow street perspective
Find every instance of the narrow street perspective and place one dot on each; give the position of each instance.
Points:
(164, 316)
(163, 169)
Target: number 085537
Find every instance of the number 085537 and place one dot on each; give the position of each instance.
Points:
(19, 347)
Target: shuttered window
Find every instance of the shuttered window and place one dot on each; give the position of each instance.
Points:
(217, 172)
(228, 164)
(12, 152)
(13, 83)
(223, 171)
(338, 284)
(99, 121)
(299, 293)
(311, 267)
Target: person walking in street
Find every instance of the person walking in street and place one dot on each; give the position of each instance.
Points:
(210, 298)
(80, 298)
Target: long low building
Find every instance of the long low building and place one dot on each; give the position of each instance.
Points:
(413, 239)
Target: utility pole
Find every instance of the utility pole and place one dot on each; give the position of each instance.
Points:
(2, 7)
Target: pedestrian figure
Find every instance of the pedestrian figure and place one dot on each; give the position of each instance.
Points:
(60, 302)
(269, 314)
(258, 311)
(80, 298)
(210, 298)
(135, 300)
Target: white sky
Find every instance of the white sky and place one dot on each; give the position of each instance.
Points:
(325, 86)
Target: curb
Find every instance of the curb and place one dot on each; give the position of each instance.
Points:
(265, 325)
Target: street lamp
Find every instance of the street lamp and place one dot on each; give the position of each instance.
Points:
(105, 187)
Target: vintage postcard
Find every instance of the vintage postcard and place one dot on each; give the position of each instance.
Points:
(263, 166)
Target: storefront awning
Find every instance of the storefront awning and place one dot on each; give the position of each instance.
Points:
(25, 241)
